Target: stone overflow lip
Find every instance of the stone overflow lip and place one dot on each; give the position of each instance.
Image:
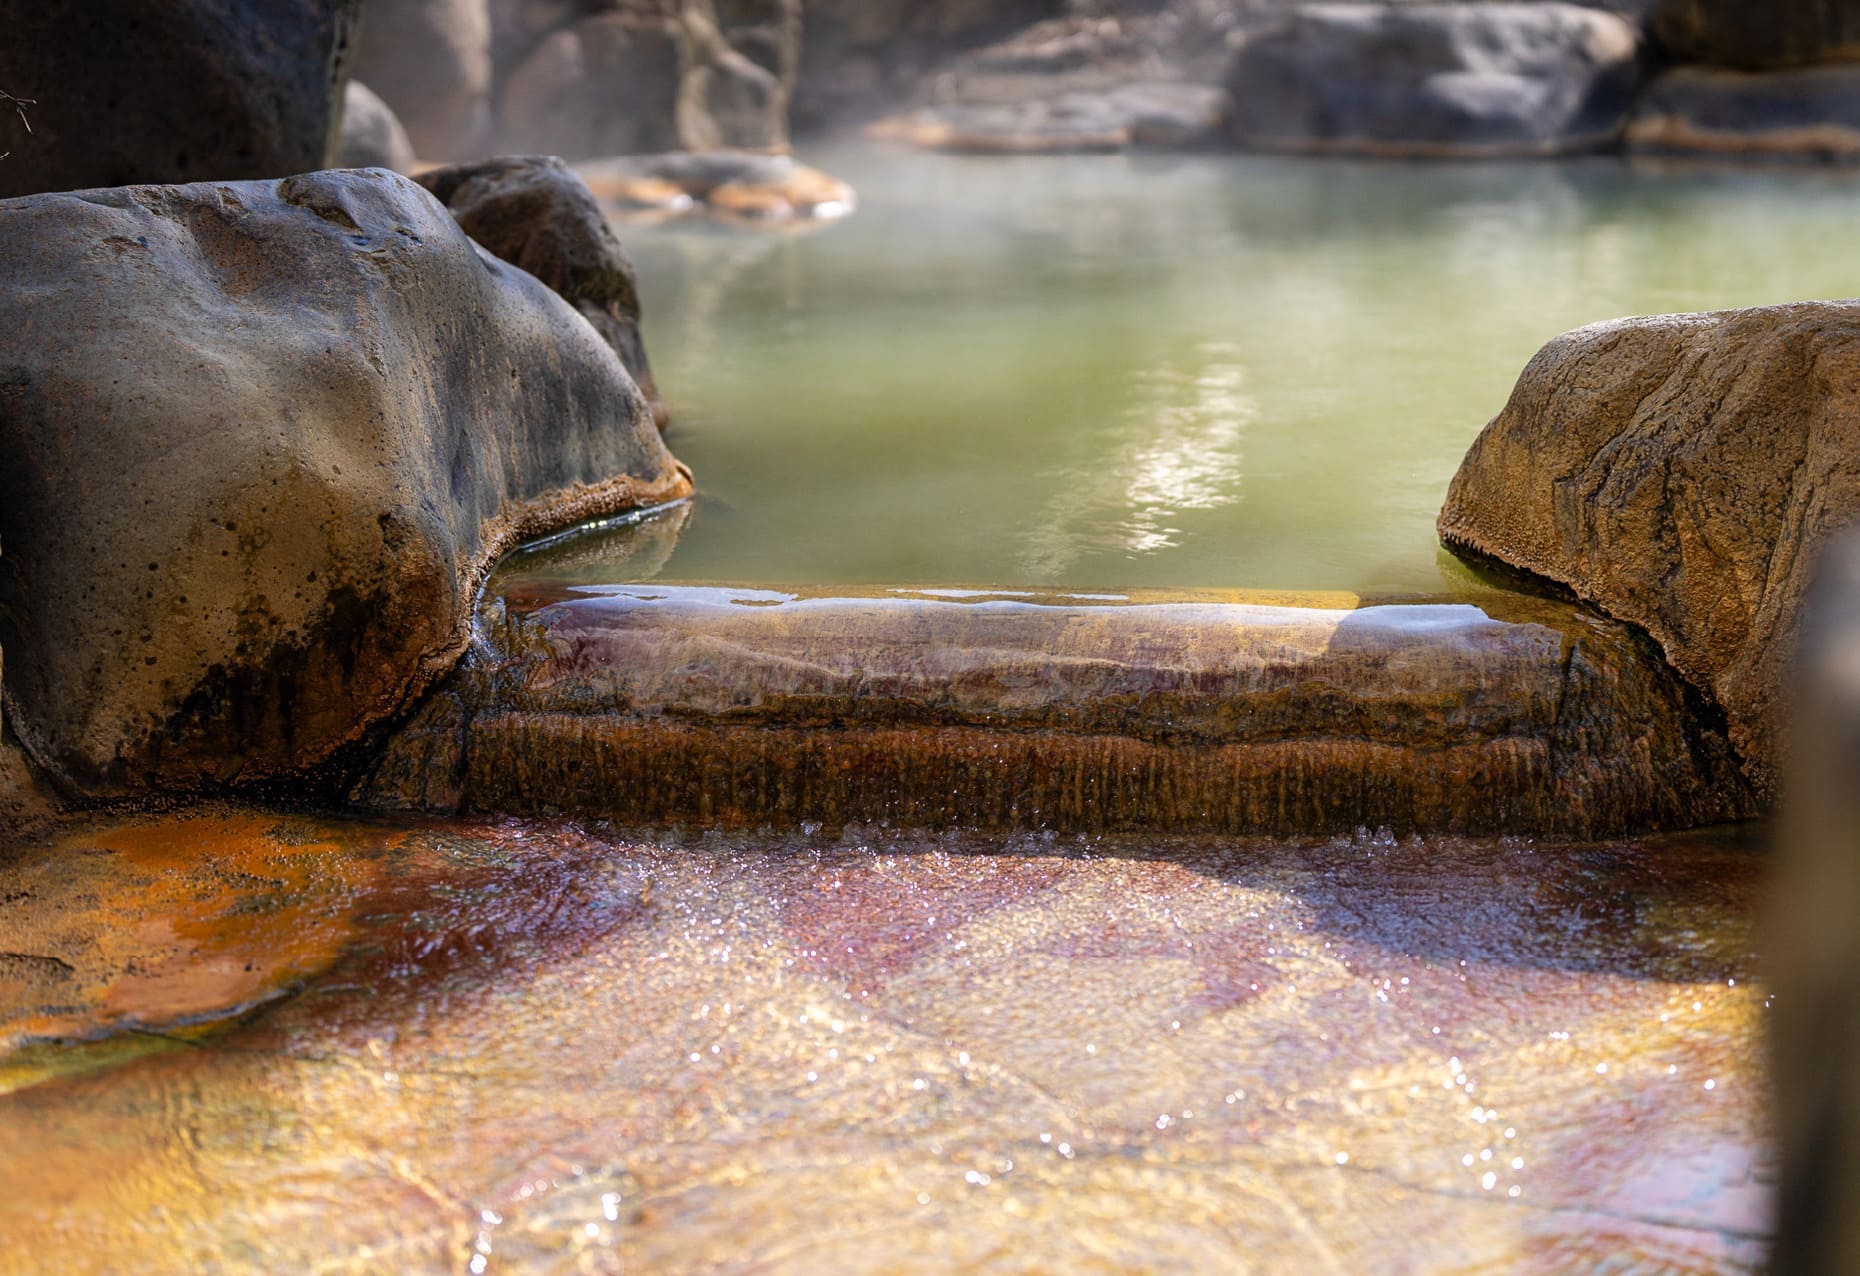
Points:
(1001, 709)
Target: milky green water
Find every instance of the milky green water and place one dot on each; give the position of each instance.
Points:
(1102, 371)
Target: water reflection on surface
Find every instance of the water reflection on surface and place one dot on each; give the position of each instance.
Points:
(1106, 371)
(560, 1047)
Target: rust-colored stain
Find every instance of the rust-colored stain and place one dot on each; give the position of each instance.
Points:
(562, 1048)
(163, 923)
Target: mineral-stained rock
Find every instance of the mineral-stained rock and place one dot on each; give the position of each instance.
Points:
(1679, 472)
(170, 90)
(1759, 33)
(431, 61)
(372, 136)
(1435, 79)
(536, 214)
(731, 183)
(655, 703)
(263, 441)
(1812, 113)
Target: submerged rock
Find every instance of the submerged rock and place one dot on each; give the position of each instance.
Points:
(1679, 472)
(170, 90)
(654, 703)
(743, 185)
(579, 1050)
(1435, 79)
(372, 136)
(1812, 113)
(264, 440)
(536, 214)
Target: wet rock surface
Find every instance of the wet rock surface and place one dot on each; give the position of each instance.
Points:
(964, 708)
(1435, 80)
(550, 1045)
(1808, 114)
(170, 90)
(536, 214)
(323, 413)
(1679, 472)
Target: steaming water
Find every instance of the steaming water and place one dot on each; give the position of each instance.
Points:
(1100, 371)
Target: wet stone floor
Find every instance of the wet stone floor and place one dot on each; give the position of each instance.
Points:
(235, 1040)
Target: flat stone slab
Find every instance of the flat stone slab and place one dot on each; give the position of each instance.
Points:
(979, 709)
(1812, 113)
(565, 1049)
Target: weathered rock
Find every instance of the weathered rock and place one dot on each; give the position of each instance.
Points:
(656, 703)
(170, 90)
(1679, 472)
(264, 440)
(1162, 116)
(733, 184)
(1815, 944)
(1435, 79)
(430, 60)
(606, 85)
(372, 137)
(536, 214)
(1802, 114)
(1772, 33)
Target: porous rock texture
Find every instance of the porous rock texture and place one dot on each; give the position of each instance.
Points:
(1758, 33)
(1679, 472)
(264, 439)
(372, 136)
(170, 90)
(1210, 714)
(536, 214)
(1435, 80)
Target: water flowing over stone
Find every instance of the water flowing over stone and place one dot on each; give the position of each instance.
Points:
(320, 1043)
(970, 708)
(1680, 472)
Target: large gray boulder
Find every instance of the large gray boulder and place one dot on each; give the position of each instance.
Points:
(430, 60)
(1435, 79)
(264, 439)
(1679, 472)
(372, 136)
(536, 214)
(170, 90)
(1758, 33)
(1808, 113)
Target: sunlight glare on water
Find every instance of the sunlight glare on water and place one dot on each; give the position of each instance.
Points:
(1210, 371)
